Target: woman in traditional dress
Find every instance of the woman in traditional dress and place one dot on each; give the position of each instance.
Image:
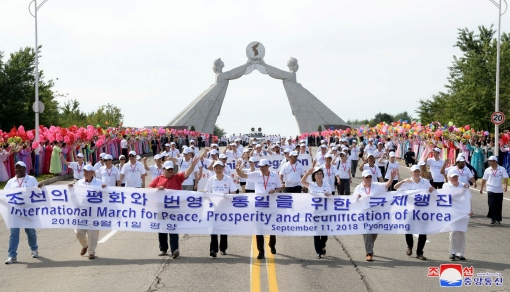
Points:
(56, 161)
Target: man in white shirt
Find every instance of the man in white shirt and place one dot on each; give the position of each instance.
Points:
(265, 182)
(239, 146)
(466, 176)
(155, 170)
(495, 176)
(437, 166)
(415, 182)
(389, 165)
(21, 180)
(219, 183)
(257, 152)
(191, 183)
(370, 148)
(77, 167)
(234, 152)
(378, 153)
(173, 151)
(354, 150)
(330, 172)
(88, 238)
(134, 172)
(291, 173)
(320, 156)
(369, 164)
(99, 164)
(110, 175)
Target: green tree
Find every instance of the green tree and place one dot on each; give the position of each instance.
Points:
(70, 114)
(402, 116)
(17, 92)
(109, 113)
(470, 92)
(219, 132)
(320, 128)
(192, 128)
(382, 117)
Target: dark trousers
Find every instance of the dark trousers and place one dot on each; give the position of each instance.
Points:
(124, 152)
(260, 242)
(344, 188)
(392, 187)
(319, 241)
(154, 151)
(293, 190)
(163, 241)
(354, 166)
(437, 185)
(495, 201)
(422, 238)
(383, 171)
(249, 191)
(214, 242)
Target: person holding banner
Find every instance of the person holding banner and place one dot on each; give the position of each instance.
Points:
(376, 172)
(219, 183)
(370, 188)
(21, 180)
(493, 177)
(330, 172)
(87, 237)
(291, 174)
(171, 181)
(110, 175)
(344, 175)
(318, 187)
(457, 238)
(134, 172)
(415, 182)
(265, 182)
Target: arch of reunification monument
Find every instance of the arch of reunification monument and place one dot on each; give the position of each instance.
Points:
(309, 111)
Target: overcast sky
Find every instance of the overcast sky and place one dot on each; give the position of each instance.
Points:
(151, 58)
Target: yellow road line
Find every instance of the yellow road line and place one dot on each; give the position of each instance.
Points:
(271, 270)
(254, 266)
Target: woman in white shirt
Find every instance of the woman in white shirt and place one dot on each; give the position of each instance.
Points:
(317, 187)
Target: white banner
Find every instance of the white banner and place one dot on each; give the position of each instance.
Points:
(152, 210)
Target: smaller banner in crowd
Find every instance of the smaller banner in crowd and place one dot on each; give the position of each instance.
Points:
(274, 160)
(152, 210)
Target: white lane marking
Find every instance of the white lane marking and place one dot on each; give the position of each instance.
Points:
(416, 235)
(110, 234)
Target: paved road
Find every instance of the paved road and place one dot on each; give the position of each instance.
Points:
(129, 261)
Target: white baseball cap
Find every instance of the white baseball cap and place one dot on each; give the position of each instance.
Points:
(324, 146)
(453, 172)
(494, 158)
(192, 141)
(422, 163)
(370, 139)
(223, 156)
(287, 150)
(264, 162)
(168, 165)
(167, 145)
(415, 168)
(132, 153)
(258, 145)
(366, 173)
(187, 150)
(217, 162)
(163, 154)
(213, 152)
(460, 159)
(246, 150)
(102, 155)
(293, 153)
(392, 154)
(79, 155)
(172, 143)
(252, 159)
(21, 163)
(157, 156)
(437, 150)
(88, 167)
(108, 157)
(328, 156)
